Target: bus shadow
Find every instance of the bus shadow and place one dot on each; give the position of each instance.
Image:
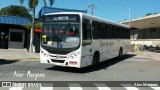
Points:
(102, 65)
(4, 61)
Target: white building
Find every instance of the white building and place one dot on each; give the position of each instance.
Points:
(146, 30)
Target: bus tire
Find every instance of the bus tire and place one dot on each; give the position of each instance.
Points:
(120, 53)
(95, 60)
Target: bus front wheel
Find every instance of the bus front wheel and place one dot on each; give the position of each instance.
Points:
(95, 60)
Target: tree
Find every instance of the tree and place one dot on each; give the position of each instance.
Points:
(32, 5)
(148, 14)
(15, 10)
(44, 1)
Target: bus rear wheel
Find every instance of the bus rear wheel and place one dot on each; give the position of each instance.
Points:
(95, 60)
(120, 53)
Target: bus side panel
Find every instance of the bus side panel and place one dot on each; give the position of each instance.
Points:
(110, 48)
(86, 56)
(126, 46)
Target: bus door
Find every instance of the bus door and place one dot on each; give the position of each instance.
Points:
(3, 39)
(16, 39)
(86, 42)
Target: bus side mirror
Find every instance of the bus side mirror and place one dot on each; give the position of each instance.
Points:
(86, 42)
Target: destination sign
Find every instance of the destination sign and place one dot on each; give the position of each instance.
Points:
(54, 18)
(61, 18)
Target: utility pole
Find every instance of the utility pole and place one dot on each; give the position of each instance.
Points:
(92, 9)
(92, 6)
(129, 13)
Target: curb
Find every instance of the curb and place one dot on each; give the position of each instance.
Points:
(156, 58)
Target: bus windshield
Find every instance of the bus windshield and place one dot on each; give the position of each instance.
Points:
(61, 34)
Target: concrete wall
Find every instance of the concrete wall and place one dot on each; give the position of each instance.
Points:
(146, 36)
(152, 33)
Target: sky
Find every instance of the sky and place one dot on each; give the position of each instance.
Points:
(115, 10)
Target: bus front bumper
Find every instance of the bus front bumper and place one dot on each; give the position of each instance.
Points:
(65, 62)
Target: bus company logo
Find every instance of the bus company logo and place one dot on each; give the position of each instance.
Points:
(57, 56)
(6, 84)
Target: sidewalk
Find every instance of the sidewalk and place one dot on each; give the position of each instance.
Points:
(18, 54)
(153, 55)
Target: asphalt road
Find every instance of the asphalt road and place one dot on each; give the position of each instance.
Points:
(130, 68)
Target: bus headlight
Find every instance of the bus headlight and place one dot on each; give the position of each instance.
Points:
(73, 55)
(44, 53)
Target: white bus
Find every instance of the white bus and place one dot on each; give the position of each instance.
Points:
(78, 40)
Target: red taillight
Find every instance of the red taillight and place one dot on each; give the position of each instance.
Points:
(72, 62)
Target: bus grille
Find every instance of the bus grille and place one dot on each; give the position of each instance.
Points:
(57, 61)
(55, 56)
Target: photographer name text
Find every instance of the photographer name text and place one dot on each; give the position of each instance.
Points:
(28, 74)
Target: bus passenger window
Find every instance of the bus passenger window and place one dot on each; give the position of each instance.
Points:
(103, 31)
(128, 33)
(120, 33)
(110, 31)
(86, 32)
(95, 32)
